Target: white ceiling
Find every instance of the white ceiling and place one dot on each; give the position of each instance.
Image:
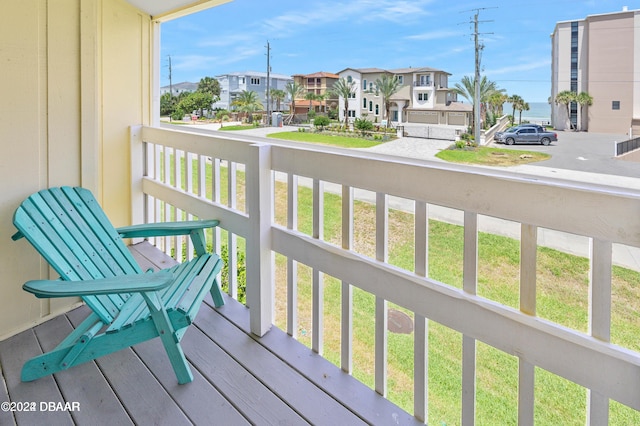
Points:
(170, 9)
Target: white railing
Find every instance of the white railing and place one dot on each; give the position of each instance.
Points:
(258, 170)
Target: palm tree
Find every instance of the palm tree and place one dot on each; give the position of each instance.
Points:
(496, 102)
(515, 101)
(248, 103)
(566, 97)
(343, 89)
(310, 96)
(524, 106)
(466, 88)
(583, 99)
(278, 96)
(387, 86)
(294, 90)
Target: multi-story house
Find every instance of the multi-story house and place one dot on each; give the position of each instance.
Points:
(178, 88)
(598, 55)
(424, 97)
(319, 83)
(232, 84)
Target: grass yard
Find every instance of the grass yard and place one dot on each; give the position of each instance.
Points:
(237, 127)
(491, 156)
(325, 139)
(562, 296)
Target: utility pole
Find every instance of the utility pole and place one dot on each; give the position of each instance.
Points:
(170, 83)
(476, 87)
(268, 95)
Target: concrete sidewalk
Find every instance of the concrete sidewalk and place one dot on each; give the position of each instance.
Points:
(425, 149)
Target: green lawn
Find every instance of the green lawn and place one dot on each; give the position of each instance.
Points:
(238, 127)
(562, 296)
(491, 156)
(325, 139)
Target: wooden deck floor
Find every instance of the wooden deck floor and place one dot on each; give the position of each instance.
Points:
(238, 379)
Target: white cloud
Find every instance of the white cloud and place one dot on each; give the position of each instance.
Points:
(433, 35)
(527, 66)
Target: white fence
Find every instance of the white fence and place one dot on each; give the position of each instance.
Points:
(240, 183)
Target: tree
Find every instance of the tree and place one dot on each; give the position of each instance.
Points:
(310, 96)
(583, 99)
(294, 90)
(195, 101)
(466, 88)
(387, 86)
(248, 103)
(524, 106)
(565, 98)
(278, 96)
(515, 101)
(344, 89)
(496, 102)
(167, 104)
(209, 86)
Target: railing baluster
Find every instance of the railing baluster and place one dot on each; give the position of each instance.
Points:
(215, 197)
(232, 238)
(526, 371)
(317, 323)
(382, 253)
(469, 285)
(599, 316)
(421, 327)
(188, 174)
(346, 326)
(292, 265)
(178, 161)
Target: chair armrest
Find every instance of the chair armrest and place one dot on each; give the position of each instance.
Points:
(121, 284)
(165, 229)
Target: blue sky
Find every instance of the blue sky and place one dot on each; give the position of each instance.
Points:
(330, 35)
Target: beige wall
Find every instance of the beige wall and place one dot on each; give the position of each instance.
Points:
(610, 72)
(75, 74)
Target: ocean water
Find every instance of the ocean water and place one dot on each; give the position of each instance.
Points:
(538, 112)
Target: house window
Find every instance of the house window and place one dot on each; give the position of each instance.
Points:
(423, 96)
(371, 87)
(615, 105)
(370, 106)
(364, 84)
(364, 103)
(349, 79)
(241, 80)
(255, 81)
(377, 109)
(352, 113)
(400, 79)
(352, 95)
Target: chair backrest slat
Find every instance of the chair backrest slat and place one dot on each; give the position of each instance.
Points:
(69, 229)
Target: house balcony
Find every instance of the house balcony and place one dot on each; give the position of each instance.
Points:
(314, 233)
(419, 83)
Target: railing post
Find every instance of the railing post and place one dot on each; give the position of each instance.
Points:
(259, 255)
(138, 171)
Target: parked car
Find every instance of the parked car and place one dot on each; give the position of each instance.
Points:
(528, 135)
(496, 136)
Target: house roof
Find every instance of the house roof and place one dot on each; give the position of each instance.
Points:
(256, 74)
(318, 74)
(185, 85)
(408, 70)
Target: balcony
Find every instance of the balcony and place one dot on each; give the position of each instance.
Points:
(422, 83)
(253, 186)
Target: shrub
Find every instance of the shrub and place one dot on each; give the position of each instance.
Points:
(311, 115)
(321, 121)
(363, 125)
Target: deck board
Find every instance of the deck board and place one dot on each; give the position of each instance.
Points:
(239, 378)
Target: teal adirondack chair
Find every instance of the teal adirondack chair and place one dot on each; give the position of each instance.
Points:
(69, 229)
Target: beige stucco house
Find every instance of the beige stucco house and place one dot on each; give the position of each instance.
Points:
(424, 97)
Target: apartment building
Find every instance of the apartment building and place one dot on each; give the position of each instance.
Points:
(424, 97)
(232, 84)
(319, 83)
(599, 54)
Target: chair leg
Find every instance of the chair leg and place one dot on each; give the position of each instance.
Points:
(171, 344)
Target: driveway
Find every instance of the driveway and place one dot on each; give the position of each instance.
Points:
(583, 152)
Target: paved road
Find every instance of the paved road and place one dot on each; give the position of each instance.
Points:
(613, 174)
(583, 152)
